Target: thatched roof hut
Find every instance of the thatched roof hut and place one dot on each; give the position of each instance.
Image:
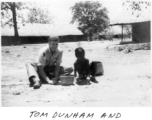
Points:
(38, 33)
(43, 30)
(140, 21)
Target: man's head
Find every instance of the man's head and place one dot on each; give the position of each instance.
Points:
(53, 42)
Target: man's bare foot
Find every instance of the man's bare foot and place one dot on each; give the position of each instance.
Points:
(55, 81)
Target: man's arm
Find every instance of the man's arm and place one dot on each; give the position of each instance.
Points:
(75, 71)
(43, 75)
(57, 66)
(57, 70)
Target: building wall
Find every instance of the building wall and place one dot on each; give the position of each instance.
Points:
(10, 40)
(34, 39)
(141, 32)
(72, 38)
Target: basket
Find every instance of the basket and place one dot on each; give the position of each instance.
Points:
(67, 80)
(96, 68)
(99, 68)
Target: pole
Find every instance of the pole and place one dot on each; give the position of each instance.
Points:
(122, 34)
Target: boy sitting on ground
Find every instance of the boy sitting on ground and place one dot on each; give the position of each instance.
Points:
(82, 66)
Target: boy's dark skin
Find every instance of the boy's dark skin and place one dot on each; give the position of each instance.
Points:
(81, 66)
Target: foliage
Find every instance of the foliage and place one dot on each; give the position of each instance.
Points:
(8, 8)
(128, 30)
(13, 13)
(6, 12)
(91, 17)
(38, 15)
(25, 13)
(137, 7)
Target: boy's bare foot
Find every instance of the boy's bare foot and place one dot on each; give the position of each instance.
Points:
(93, 79)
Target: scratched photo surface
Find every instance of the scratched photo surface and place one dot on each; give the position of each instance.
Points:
(114, 32)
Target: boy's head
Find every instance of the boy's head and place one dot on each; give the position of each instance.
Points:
(53, 42)
(79, 53)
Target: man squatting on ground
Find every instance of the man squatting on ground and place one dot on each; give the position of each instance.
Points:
(47, 67)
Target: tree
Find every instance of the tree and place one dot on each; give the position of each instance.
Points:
(11, 20)
(91, 17)
(128, 30)
(39, 15)
(137, 7)
(11, 13)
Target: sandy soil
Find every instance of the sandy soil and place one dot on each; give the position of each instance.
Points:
(126, 81)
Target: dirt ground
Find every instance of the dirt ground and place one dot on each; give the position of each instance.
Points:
(126, 81)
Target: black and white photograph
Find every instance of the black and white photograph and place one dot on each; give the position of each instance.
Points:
(76, 53)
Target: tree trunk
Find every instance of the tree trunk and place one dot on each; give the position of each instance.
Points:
(15, 23)
(90, 36)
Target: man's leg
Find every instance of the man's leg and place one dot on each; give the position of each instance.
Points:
(50, 72)
(33, 75)
(63, 71)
